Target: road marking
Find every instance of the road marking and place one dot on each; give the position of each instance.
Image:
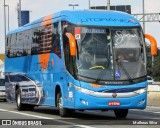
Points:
(146, 111)
(43, 117)
(157, 112)
(84, 126)
(149, 118)
(133, 110)
(25, 114)
(151, 111)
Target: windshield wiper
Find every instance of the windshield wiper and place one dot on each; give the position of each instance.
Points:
(119, 63)
(85, 76)
(99, 75)
(101, 72)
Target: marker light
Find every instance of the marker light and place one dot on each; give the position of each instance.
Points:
(141, 102)
(84, 102)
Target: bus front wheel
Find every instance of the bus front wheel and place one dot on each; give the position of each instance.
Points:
(63, 112)
(121, 113)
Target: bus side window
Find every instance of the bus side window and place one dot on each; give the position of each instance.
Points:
(19, 51)
(34, 38)
(56, 40)
(8, 43)
(13, 45)
(26, 48)
(28, 41)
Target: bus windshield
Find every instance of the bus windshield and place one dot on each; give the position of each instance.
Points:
(110, 54)
(128, 53)
(94, 53)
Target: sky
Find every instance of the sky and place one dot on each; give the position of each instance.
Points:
(40, 8)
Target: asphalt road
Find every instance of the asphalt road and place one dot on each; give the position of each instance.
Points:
(48, 117)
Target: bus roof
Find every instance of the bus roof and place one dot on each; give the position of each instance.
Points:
(87, 18)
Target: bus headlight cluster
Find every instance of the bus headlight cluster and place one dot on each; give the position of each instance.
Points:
(83, 90)
(140, 91)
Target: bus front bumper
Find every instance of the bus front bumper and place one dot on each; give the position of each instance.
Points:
(87, 102)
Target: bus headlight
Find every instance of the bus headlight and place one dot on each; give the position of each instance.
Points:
(140, 91)
(86, 91)
(83, 90)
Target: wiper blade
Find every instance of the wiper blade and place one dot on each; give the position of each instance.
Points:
(124, 70)
(85, 76)
(99, 75)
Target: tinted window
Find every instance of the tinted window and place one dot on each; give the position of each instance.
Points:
(6, 78)
(23, 44)
(35, 36)
(2, 82)
(14, 79)
(13, 45)
(23, 78)
(56, 40)
(26, 43)
(20, 46)
(46, 39)
(43, 39)
(8, 45)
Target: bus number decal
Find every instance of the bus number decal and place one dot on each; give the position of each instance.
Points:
(77, 36)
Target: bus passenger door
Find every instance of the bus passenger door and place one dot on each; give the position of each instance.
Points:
(69, 64)
(69, 77)
(71, 92)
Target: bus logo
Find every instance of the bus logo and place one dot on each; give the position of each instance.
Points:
(77, 36)
(114, 95)
(77, 33)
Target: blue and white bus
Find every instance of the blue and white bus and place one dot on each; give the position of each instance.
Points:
(78, 60)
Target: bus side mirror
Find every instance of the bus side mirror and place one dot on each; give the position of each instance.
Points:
(153, 43)
(72, 44)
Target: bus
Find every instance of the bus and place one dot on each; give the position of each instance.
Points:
(78, 60)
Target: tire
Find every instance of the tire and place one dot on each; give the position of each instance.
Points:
(121, 113)
(29, 107)
(20, 105)
(63, 112)
(5, 100)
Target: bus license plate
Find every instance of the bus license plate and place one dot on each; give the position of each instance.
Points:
(114, 103)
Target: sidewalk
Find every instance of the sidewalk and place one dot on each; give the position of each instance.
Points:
(153, 104)
(153, 97)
